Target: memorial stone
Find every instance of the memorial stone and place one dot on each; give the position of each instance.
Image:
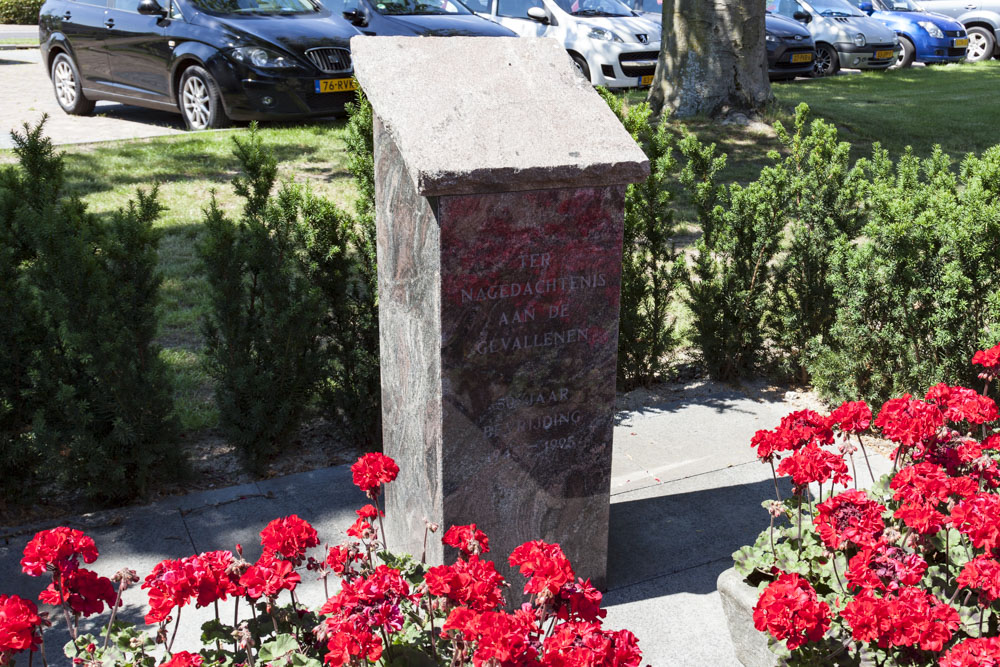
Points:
(500, 180)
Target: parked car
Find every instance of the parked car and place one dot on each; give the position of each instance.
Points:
(438, 18)
(790, 46)
(924, 36)
(211, 60)
(611, 45)
(981, 19)
(844, 35)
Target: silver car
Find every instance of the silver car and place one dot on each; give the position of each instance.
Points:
(981, 19)
(844, 35)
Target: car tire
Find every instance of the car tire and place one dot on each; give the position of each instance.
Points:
(68, 87)
(827, 62)
(981, 45)
(581, 65)
(199, 100)
(906, 56)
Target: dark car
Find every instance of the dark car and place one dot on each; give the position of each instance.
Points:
(212, 60)
(437, 18)
(790, 48)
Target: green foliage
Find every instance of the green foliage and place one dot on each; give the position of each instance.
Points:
(20, 12)
(263, 331)
(86, 388)
(651, 271)
(917, 292)
(824, 210)
(730, 284)
(342, 263)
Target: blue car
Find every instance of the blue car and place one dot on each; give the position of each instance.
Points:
(925, 37)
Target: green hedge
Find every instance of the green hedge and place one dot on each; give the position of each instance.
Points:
(20, 12)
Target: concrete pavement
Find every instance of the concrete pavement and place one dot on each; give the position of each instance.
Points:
(686, 493)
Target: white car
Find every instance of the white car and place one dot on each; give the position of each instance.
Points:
(611, 45)
(844, 35)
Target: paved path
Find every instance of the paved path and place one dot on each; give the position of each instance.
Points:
(686, 493)
(8, 31)
(27, 95)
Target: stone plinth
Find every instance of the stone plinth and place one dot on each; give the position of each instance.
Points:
(500, 182)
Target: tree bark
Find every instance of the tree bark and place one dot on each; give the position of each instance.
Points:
(712, 58)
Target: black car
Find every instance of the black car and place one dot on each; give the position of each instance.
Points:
(436, 18)
(791, 51)
(212, 60)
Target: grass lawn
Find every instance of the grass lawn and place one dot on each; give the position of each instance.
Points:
(19, 41)
(950, 105)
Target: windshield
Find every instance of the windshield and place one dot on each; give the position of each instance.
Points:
(261, 7)
(594, 7)
(835, 8)
(409, 7)
(898, 6)
(654, 6)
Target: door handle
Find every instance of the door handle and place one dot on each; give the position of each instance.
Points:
(110, 23)
(970, 6)
(67, 16)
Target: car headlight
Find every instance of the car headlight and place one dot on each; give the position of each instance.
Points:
(895, 39)
(604, 35)
(258, 57)
(931, 29)
(771, 37)
(859, 40)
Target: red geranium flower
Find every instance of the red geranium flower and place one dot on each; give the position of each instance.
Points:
(921, 488)
(807, 426)
(184, 659)
(340, 558)
(852, 417)
(373, 470)
(978, 517)
(885, 568)
(169, 586)
(989, 359)
(474, 583)
(813, 464)
(20, 626)
(57, 549)
(545, 565)
(907, 617)
(268, 577)
(579, 601)
(963, 404)
(289, 537)
(467, 539)
(982, 574)
(977, 652)
(84, 591)
(852, 517)
(584, 644)
(508, 640)
(789, 610)
(909, 422)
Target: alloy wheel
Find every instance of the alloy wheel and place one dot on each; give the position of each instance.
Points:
(977, 47)
(824, 62)
(197, 105)
(65, 82)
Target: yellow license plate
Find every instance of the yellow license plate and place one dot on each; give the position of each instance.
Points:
(882, 55)
(646, 80)
(802, 57)
(335, 85)
(962, 42)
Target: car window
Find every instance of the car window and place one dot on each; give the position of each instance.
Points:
(126, 5)
(594, 7)
(224, 7)
(175, 10)
(97, 3)
(517, 9)
(415, 7)
(655, 6)
(785, 7)
(481, 6)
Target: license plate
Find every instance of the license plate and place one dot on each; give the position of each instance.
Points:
(646, 80)
(884, 55)
(335, 85)
(802, 57)
(961, 42)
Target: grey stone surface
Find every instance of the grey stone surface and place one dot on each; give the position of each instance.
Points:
(738, 599)
(438, 98)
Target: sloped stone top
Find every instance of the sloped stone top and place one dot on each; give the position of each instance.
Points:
(493, 114)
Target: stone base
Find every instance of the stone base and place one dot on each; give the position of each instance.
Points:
(738, 600)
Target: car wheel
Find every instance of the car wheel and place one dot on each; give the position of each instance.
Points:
(581, 65)
(68, 89)
(827, 63)
(199, 100)
(906, 56)
(981, 45)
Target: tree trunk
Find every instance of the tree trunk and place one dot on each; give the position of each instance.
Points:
(712, 58)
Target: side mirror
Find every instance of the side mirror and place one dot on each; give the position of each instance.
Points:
(867, 8)
(151, 8)
(356, 16)
(538, 14)
(804, 17)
